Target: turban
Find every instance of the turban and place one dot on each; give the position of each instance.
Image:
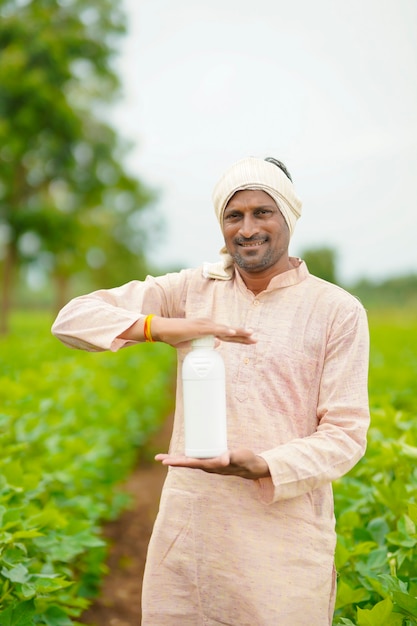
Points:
(252, 173)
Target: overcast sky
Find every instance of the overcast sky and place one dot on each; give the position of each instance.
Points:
(327, 86)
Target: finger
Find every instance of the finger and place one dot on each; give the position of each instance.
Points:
(178, 461)
(168, 459)
(240, 335)
(211, 464)
(239, 339)
(161, 456)
(217, 462)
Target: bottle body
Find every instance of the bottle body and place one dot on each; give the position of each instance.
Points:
(204, 398)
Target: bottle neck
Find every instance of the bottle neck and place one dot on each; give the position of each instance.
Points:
(205, 343)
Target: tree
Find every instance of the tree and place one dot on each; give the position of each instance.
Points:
(322, 263)
(62, 179)
(390, 293)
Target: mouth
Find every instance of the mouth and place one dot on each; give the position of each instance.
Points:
(250, 244)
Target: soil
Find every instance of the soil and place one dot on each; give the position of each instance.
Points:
(119, 603)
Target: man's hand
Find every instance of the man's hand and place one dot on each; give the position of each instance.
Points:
(177, 332)
(243, 463)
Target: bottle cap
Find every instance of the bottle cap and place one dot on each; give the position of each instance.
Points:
(208, 341)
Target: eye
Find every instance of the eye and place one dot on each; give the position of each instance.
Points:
(231, 216)
(263, 212)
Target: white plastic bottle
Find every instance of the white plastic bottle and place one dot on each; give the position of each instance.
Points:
(204, 394)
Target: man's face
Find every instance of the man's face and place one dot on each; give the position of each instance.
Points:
(255, 232)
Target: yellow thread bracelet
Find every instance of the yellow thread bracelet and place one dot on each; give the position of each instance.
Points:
(147, 329)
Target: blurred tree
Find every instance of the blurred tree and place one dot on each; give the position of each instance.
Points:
(322, 263)
(66, 200)
(390, 293)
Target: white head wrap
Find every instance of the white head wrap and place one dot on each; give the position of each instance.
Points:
(252, 173)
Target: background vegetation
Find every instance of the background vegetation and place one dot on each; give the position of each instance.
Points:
(376, 503)
(70, 213)
(72, 425)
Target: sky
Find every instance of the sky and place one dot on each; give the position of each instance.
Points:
(327, 86)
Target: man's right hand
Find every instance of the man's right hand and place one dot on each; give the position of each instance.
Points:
(177, 332)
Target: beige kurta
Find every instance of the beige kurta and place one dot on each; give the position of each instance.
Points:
(226, 550)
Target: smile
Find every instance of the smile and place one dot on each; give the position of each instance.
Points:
(251, 244)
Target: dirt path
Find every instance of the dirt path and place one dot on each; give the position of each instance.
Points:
(120, 601)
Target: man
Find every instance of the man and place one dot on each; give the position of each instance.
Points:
(248, 539)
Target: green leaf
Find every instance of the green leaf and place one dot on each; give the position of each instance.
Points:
(55, 616)
(409, 451)
(26, 534)
(49, 517)
(398, 538)
(370, 567)
(342, 555)
(49, 585)
(378, 528)
(395, 619)
(406, 525)
(365, 547)
(3, 510)
(12, 517)
(377, 616)
(14, 474)
(406, 602)
(347, 595)
(18, 615)
(17, 574)
(412, 511)
(392, 583)
(27, 590)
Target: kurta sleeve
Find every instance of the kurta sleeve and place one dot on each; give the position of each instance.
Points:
(307, 463)
(93, 322)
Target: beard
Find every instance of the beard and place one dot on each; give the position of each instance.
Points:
(256, 262)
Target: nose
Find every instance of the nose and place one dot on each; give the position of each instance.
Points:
(248, 226)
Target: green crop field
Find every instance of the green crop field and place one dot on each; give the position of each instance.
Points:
(72, 425)
(376, 504)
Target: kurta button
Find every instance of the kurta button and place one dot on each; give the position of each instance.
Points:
(255, 302)
(246, 360)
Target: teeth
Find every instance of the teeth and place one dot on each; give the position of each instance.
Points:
(253, 243)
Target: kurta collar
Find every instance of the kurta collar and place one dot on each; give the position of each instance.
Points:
(289, 278)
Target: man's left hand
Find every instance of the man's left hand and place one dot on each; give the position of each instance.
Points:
(243, 463)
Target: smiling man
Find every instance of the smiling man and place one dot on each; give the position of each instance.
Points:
(256, 233)
(248, 538)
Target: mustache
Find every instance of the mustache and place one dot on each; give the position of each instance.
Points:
(254, 239)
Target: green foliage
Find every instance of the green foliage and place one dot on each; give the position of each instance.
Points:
(389, 293)
(376, 503)
(322, 262)
(71, 424)
(398, 291)
(68, 208)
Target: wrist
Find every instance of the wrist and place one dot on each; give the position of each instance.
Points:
(154, 328)
(147, 328)
(262, 467)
